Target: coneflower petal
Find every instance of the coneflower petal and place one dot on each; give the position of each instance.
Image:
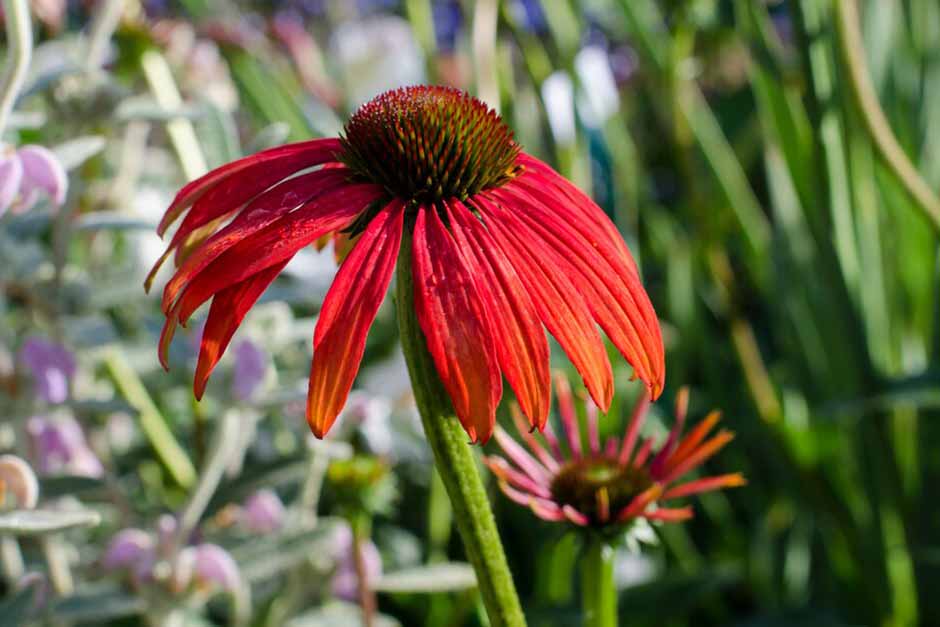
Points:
(667, 514)
(524, 430)
(546, 177)
(558, 303)
(568, 415)
(255, 173)
(262, 211)
(517, 478)
(666, 450)
(276, 242)
(590, 220)
(698, 457)
(732, 480)
(691, 441)
(227, 312)
(455, 325)
(521, 458)
(633, 427)
(348, 311)
(521, 346)
(208, 212)
(617, 299)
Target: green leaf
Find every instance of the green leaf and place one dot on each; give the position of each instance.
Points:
(97, 604)
(445, 577)
(75, 152)
(339, 614)
(40, 522)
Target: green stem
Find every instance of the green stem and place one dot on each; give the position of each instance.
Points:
(852, 49)
(598, 593)
(455, 461)
(20, 50)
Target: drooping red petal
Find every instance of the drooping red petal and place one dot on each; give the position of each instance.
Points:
(455, 325)
(227, 312)
(617, 299)
(348, 311)
(585, 217)
(255, 173)
(543, 174)
(558, 303)
(276, 242)
(303, 193)
(521, 346)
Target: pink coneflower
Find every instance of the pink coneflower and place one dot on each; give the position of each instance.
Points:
(502, 245)
(614, 484)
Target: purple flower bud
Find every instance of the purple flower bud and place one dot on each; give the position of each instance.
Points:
(251, 364)
(52, 365)
(41, 172)
(11, 177)
(263, 512)
(130, 548)
(17, 477)
(214, 565)
(59, 447)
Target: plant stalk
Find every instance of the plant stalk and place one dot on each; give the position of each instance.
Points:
(455, 461)
(20, 47)
(852, 50)
(598, 592)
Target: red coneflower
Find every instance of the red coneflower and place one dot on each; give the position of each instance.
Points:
(502, 245)
(614, 484)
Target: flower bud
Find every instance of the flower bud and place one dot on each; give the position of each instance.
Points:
(19, 479)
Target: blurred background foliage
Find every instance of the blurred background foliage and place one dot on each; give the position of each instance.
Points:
(795, 277)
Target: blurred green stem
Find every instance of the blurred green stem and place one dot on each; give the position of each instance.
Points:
(360, 535)
(455, 461)
(485, 15)
(151, 420)
(223, 449)
(598, 592)
(852, 50)
(106, 20)
(11, 560)
(20, 47)
(182, 134)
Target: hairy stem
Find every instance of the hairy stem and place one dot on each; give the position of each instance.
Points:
(455, 461)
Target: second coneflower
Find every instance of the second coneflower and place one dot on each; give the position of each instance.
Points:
(500, 246)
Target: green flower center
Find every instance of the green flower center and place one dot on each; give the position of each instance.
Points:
(587, 483)
(429, 143)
